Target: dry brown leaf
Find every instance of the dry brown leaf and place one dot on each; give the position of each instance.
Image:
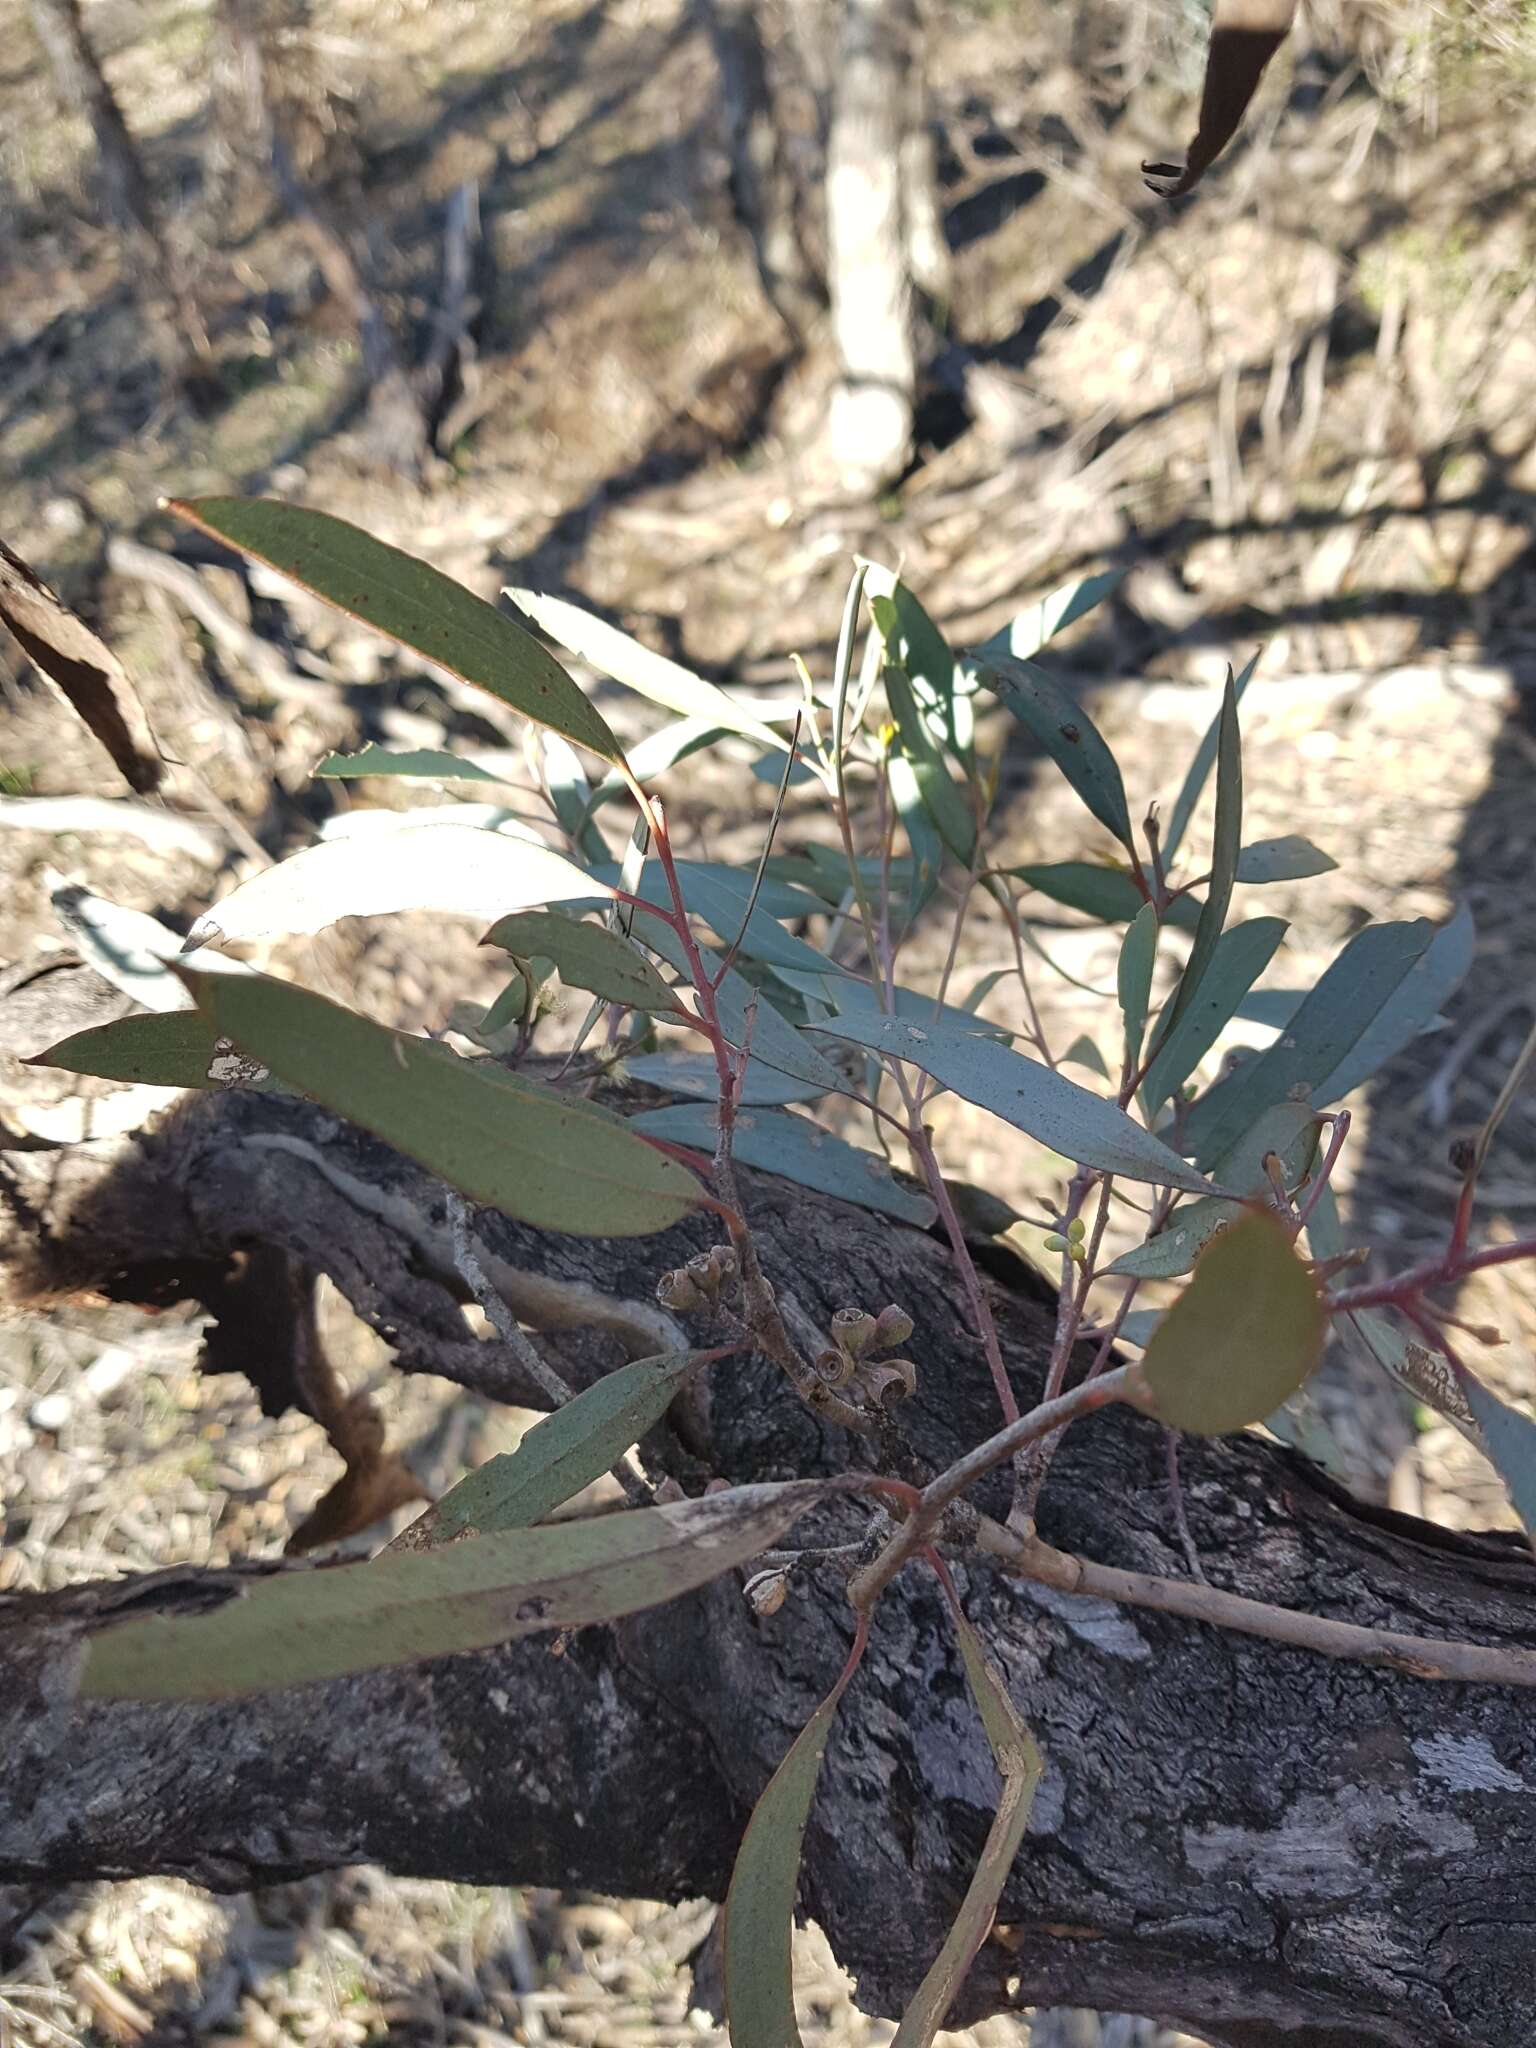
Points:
(76, 661)
(1245, 34)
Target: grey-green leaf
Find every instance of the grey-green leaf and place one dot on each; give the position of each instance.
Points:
(1334, 1018)
(586, 956)
(1107, 894)
(760, 1905)
(546, 1158)
(1509, 1436)
(1020, 1764)
(1061, 725)
(694, 1074)
(1287, 859)
(558, 1456)
(1199, 770)
(945, 800)
(1138, 952)
(1435, 975)
(637, 667)
(1228, 839)
(799, 1150)
(774, 1040)
(1032, 1097)
(1029, 630)
(454, 871)
(410, 602)
(1289, 1130)
(169, 1049)
(1240, 956)
(300, 1626)
(429, 764)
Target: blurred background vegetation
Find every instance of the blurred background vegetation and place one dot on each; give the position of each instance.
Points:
(547, 291)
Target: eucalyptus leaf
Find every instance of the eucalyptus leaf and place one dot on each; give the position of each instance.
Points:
(654, 755)
(1239, 957)
(797, 1149)
(129, 948)
(296, 1627)
(578, 1443)
(408, 602)
(694, 1074)
(1412, 1009)
(1029, 630)
(637, 667)
(944, 799)
(1289, 1130)
(1200, 767)
(548, 1159)
(1082, 1052)
(168, 1049)
(774, 1040)
(1509, 1437)
(1020, 1765)
(585, 956)
(455, 871)
(430, 764)
(1106, 894)
(382, 824)
(571, 794)
(1332, 1021)
(1056, 719)
(1288, 859)
(1073, 1122)
(760, 1905)
(1228, 839)
(916, 646)
(922, 835)
(1138, 953)
(1243, 1336)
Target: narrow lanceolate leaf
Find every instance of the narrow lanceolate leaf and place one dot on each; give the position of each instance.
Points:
(381, 825)
(1199, 770)
(1082, 1052)
(1032, 1097)
(760, 1905)
(774, 1040)
(586, 955)
(1138, 952)
(1019, 1764)
(1029, 630)
(916, 646)
(1288, 859)
(1061, 725)
(694, 1074)
(64, 649)
(1289, 1130)
(507, 1142)
(558, 1456)
(1331, 1022)
(1240, 956)
(1434, 976)
(1509, 1437)
(799, 1150)
(922, 836)
(455, 871)
(1107, 894)
(174, 1049)
(410, 602)
(422, 764)
(654, 755)
(570, 792)
(1228, 838)
(624, 658)
(298, 1627)
(1242, 1337)
(944, 799)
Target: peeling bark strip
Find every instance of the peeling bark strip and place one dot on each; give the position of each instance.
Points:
(1276, 1850)
(1245, 34)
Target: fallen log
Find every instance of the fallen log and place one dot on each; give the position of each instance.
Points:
(1274, 1848)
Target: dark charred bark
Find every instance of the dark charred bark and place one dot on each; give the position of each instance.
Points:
(1277, 1850)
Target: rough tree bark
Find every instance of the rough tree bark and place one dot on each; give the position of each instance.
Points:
(125, 189)
(1276, 1850)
